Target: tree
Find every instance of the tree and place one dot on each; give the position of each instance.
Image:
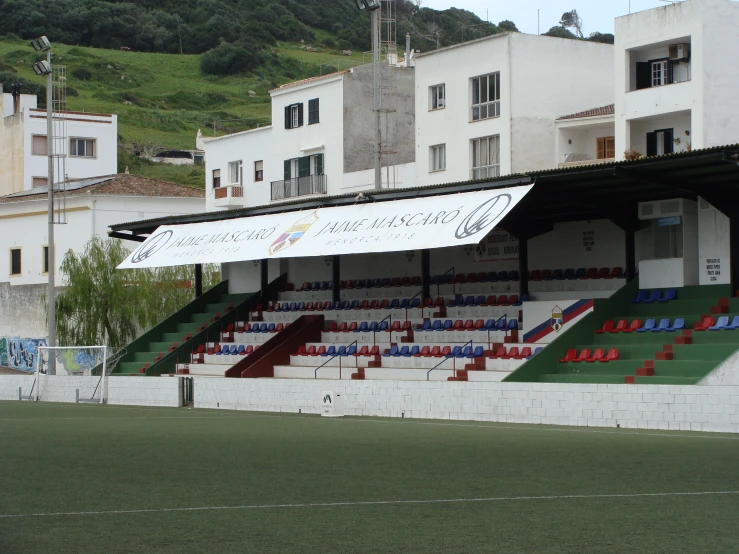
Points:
(104, 305)
(605, 38)
(509, 26)
(559, 32)
(570, 20)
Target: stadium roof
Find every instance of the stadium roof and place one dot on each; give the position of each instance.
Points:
(607, 191)
(595, 112)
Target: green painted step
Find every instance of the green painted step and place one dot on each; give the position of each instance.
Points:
(130, 367)
(143, 357)
(233, 298)
(204, 317)
(669, 308)
(602, 379)
(189, 327)
(159, 346)
(174, 337)
(609, 368)
(665, 380)
(716, 337)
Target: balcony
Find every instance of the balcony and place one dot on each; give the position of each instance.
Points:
(299, 186)
(231, 196)
(578, 160)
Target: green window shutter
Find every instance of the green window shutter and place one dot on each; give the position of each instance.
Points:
(319, 164)
(300, 114)
(287, 169)
(288, 122)
(304, 166)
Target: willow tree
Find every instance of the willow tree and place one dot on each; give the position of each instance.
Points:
(103, 305)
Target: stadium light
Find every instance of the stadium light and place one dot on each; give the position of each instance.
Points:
(41, 44)
(42, 68)
(368, 5)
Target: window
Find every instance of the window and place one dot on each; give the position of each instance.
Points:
(438, 157)
(82, 148)
(293, 116)
(259, 171)
(313, 111)
(485, 157)
(660, 73)
(15, 261)
(486, 97)
(216, 178)
(235, 173)
(45, 259)
(606, 148)
(40, 181)
(438, 97)
(660, 142)
(304, 166)
(38, 145)
(654, 73)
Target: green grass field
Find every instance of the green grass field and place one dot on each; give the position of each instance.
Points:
(109, 479)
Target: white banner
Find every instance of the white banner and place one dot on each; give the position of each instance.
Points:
(430, 222)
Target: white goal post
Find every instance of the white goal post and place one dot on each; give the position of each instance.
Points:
(81, 374)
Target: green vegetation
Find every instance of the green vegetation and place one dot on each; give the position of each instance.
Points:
(276, 483)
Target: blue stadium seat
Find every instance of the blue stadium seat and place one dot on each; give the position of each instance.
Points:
(234, 350)
(354, 305)
(670, 294)
(426, 326)
(513, 324)
(301, 306)
(479, 351)
(648, 326)
(664, 324)
(580, 273)
(465, 353)
(640, 297)
(405, 352)
(384, 326)
(264, 328)
(415, 303)
(435, 280)
(394, 305)
(489, 325)
(556, 275)
(341, 351)
(503, 276)
(480, 300)
(385, 282)
(241, 348)
(500, 326)
(469, 301)
(513, 276)
(392, 352)
(315, 285)
(721, 323)
(569, 274)
(405, 304)
(680, 324)
(491, 276)
(414, 351)
(734, 323)
(447, 279)
(374, 327)
(448, 324)
(653, 297)
(455, 351)
(438, 325)
(363, 327)
(330, 351)
(351, 351)
(270, 328)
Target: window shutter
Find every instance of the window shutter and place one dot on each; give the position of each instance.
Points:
(601, 148)
(287, 118)
(669, 145)
(651, 144)
(643, 75)
(300, 114)
(304, 166)
(288, 164)
(319, 164)
(610, 147)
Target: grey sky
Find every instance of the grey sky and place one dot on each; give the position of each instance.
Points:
(597, 15)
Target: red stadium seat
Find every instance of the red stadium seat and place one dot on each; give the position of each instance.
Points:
(584, 355)
(612, 355)
(301, 351)
(446, 350)
(512, 353)
(500, 352)
(620, 326)
(321, 350)
(607, 326)
(633, 326)
(311, 351)
(374, 351)
(435, 352)
(343, 327)
(571, 355)
(364, 351)
(598, 355)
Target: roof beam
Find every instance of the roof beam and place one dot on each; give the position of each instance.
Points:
(126, 236)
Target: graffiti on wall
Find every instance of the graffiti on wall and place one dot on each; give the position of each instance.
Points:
(20, 354)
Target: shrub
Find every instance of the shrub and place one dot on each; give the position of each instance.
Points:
(82, 73)
(229, 59)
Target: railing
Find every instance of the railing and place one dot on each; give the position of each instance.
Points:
(468, 343)
(299, 186)
(337, 355)
(230, 191)
(438, 287)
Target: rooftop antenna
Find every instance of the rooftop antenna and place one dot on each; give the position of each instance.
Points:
(538, 28)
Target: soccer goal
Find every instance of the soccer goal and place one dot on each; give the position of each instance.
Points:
(72, 374)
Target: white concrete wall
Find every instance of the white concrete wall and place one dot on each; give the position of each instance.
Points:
(564, 247)
(103, 129)
(249, 146)
(685, 408)
(397, 176)
(725, 375)
(130, 391)
(679, 122)
(714, 255)
(584, 134)
(453, 125)
(547, 77)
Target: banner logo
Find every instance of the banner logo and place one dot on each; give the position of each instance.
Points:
(293, 234)
(557, 319)
(151, 247)
(482, 217)
(327, 399)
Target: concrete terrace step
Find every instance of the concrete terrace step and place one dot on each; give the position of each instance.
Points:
(402, 362)
(296, 372)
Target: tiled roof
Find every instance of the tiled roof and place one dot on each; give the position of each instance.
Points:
(122, 184)
(595, 112)
(310, 80)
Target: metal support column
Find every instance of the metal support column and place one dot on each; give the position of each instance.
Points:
(734, 251)
(51, 292)
(630, 268)
(264, 281)
(523, 265)
(426, 273)
(336, 277)
(198, 280)
(378, 97)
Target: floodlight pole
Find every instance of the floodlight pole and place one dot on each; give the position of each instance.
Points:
(51, 266)
(378, 96)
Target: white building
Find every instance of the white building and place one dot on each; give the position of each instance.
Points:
(676, 87)
(91, 206)
(488, 107)
(320, 142)
(91, 145)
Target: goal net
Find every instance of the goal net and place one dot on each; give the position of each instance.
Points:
(72, 374)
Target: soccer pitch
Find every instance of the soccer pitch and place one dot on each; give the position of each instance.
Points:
(107, 479)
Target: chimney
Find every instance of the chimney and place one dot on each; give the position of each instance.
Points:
(15, 90)
(408, 50)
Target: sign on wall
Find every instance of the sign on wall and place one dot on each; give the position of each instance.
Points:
(498, 246)
(431, 222)
(20, 354)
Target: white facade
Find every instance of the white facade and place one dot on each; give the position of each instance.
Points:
(675, 85)
(540, 79)
(91, 145)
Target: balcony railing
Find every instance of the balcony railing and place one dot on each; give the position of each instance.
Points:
(299, 186)
(231, 195)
